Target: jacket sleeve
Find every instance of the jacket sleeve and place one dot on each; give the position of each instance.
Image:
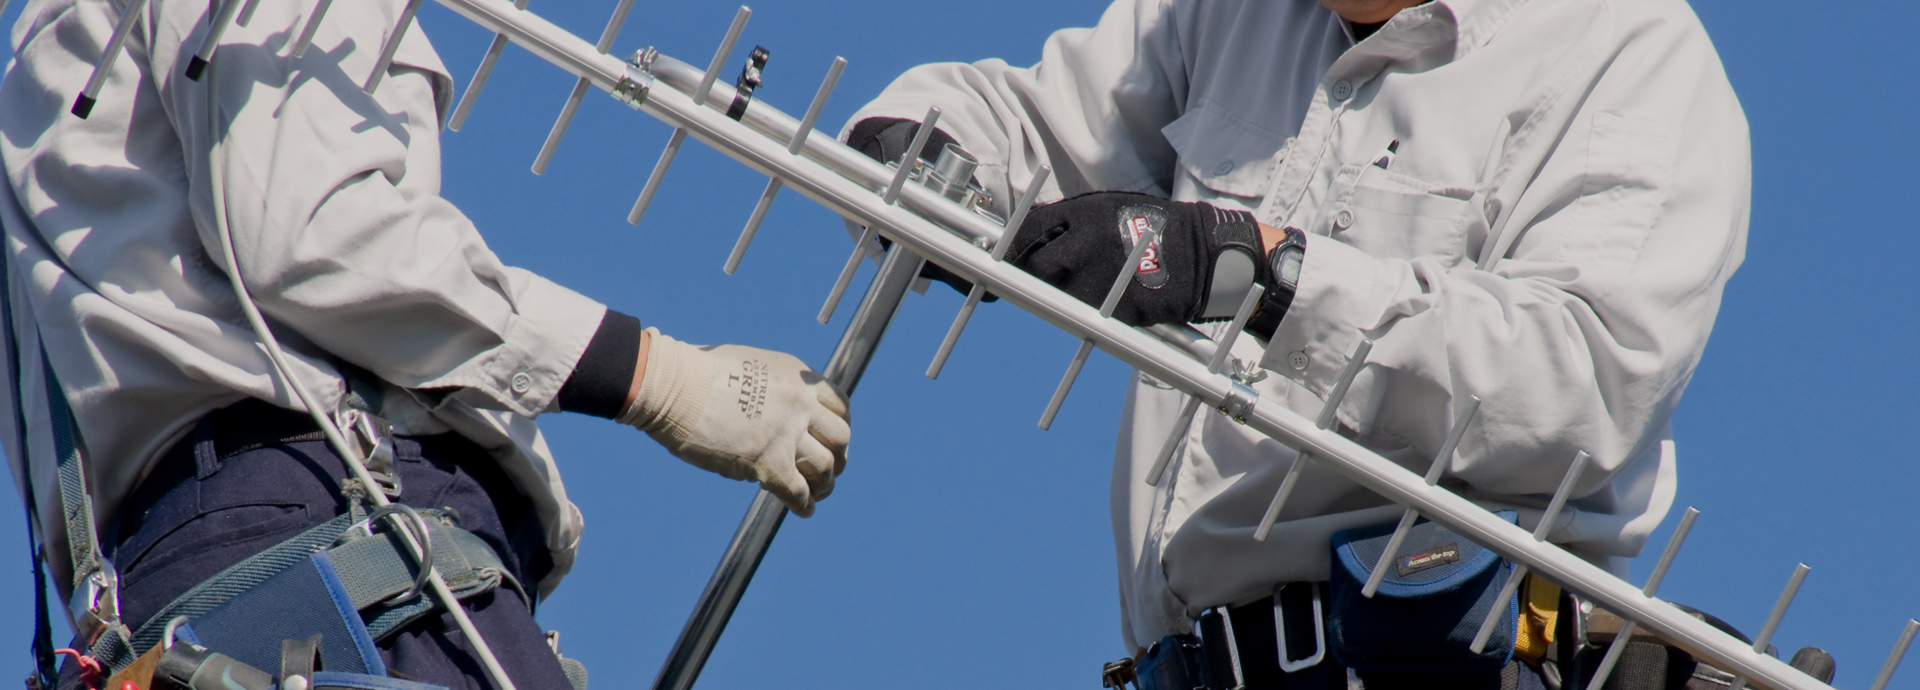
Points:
(1625, 225)
(332, 197)
(1092, 108)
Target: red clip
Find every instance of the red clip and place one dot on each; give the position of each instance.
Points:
(90, 671)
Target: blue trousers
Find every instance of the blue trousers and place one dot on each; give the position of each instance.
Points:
(251, 475)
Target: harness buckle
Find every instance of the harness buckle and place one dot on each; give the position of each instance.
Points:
(97, 606)
(374, 438)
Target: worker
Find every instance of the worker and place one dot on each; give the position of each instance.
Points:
(388, 303)
(1537, 204)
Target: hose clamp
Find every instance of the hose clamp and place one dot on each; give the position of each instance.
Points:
(633, 88)
(1240, 402)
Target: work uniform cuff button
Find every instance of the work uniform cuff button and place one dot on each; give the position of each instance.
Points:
(522, 383)
(1298, 360)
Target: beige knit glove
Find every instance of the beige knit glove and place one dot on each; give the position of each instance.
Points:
(745, 413)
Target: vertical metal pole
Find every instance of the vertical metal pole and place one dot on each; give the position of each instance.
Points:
(762, 523)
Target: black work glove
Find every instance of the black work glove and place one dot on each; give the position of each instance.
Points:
(886, 139)
(1080, 244)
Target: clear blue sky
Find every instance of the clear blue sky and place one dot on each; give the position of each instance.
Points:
(966, 548)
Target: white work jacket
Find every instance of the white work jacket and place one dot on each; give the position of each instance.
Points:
(332, 196)
(1568, 197)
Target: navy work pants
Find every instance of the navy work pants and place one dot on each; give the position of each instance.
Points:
(252, 475)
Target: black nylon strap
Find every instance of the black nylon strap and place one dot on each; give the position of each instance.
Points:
(43, 661)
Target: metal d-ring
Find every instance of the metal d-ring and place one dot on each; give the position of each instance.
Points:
(421, 536)
(166, 639)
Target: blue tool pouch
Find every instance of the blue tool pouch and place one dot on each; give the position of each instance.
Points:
(1438, 589)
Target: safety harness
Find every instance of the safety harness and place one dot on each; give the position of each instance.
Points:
(311, 607)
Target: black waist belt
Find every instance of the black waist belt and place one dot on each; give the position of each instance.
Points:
(1241, 647)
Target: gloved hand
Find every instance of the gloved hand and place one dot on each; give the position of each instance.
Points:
(1080, 244)
(886, 139)
(744, 413)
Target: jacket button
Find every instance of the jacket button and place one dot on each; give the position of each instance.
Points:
(1223, 168)
(1298, 360)
(1342, 90)
(1343, 219)
(522, 383)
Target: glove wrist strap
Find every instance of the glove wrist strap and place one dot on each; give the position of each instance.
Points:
(1234, 263)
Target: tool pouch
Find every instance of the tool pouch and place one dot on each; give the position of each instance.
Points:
(1422, 620)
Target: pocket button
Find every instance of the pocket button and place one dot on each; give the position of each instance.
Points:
(1343, 219)
(1298, 360)
(1223, 168)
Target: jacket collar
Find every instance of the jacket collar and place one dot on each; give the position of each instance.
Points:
(1469, 24)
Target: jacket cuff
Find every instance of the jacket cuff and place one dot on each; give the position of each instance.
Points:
(550, 331)
(604, 375)
(1342, 292)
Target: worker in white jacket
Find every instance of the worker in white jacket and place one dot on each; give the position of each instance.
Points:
(1536, 203)
(385, 296)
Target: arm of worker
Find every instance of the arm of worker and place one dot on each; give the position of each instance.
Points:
(332, 198)
(1583, 336)
(1092, 108)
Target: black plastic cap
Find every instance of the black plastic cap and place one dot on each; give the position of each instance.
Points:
(195, 67)
(1815, 662)
(83, 106)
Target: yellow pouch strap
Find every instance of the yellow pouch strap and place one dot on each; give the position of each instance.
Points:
(1539, 614)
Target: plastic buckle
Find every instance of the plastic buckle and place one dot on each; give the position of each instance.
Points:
(98, 604)
(1280, 630)
(374, 438)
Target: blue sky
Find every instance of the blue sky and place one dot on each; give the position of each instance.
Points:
(966, 548)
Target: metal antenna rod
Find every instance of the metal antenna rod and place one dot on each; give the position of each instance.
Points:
(1893, 660)
(762, 523)
(680, 135)
(479, 81)
(773, 184)
(1439, 467)
(1327, 416)
(305, 40)
(1619, 644)
(211, 42)
(607, 36)
(1222, 353)
(1540, 532)
(1773, 619)
(892, 195)
(1141, 243)
(979, 292)
(83, 105)
(246, 12)
(393, 45)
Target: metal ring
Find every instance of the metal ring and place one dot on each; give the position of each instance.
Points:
(166, 639)
(423, 538)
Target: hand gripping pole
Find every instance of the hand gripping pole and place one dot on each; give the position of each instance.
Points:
(1328, 415)
(928, 225)
(680, 135)
(1222, 353)
(999, 254)
(1141, 243)
(889, 197)
(793, 147)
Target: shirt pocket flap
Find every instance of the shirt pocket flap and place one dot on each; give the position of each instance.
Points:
(1223, 151)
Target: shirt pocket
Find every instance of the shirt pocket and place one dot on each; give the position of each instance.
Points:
(1396, 216)
(1223, 152)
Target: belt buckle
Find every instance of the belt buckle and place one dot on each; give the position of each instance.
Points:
(374, 438)
(1280, 630)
